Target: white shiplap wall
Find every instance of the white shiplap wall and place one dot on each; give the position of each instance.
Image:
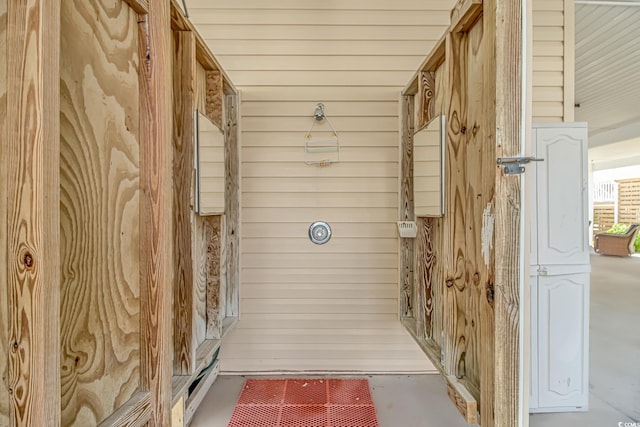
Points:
(303, 306)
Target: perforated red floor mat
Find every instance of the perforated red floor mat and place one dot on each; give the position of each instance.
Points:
(322, 402)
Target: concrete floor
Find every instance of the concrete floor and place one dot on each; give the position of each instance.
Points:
(401, 400)
(421, 400)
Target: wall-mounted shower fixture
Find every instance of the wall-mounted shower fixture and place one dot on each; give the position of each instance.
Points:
(323, 140)
(319, 232)
(319, 114)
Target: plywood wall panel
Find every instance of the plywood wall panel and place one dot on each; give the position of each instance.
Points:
(4, 320)
(99, 187)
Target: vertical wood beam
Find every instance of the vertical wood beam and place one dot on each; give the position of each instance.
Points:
(231, 268)
(32, 147)
(213, 235)
(156, 239)
(214, 89)
(4, 306)
(184, 342)
(406, 206)
(427, 97)
(506, 18)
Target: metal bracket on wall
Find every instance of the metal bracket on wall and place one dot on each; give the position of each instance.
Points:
(514, 165)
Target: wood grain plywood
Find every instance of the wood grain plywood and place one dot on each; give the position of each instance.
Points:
(100, 180)
(156, 240)
(33, 210)
(4, 320)
(184, 83)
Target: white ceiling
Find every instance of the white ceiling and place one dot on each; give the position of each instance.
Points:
(608, 77)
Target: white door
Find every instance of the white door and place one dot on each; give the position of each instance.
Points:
(560, 270)
(562, 196)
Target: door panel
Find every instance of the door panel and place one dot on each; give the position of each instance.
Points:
(562, 213)
(562, 340)
(560, 270)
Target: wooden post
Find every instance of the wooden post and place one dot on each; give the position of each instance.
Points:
(156, 240)
(231, 267)
(184, 343)
(407, 293)
(4, 306)
(33, 211)
(506, 17)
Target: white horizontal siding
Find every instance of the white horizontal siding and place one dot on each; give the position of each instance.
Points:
(548, 60)
(354, 56)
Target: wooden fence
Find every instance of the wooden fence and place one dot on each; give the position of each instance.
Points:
(604, 212)
(629, 201)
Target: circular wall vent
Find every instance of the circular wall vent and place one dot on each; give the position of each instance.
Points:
(319, 232)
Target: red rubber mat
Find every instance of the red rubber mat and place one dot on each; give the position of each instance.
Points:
(323, 402)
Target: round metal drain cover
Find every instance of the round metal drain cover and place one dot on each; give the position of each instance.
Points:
(319, 232)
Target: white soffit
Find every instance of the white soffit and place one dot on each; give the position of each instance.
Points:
(608, 68)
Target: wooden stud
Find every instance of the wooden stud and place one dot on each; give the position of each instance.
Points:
(436, 57)
(139, 6)
(406, 213)
(203, 54)
(156, 238)
(177, 413)
(488, 321)
(231, 268)
(427, 101)
(432, 62)
(134, 413)
(464, 401)
(4, 307)
(425, 263)
(506, 18)
(464, 14)
(33, 210)
(184, 344)
(213, 228)
(214, 95)
(179, 22)
(199, 288)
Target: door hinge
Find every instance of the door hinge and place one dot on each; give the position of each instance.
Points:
(513, 165)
